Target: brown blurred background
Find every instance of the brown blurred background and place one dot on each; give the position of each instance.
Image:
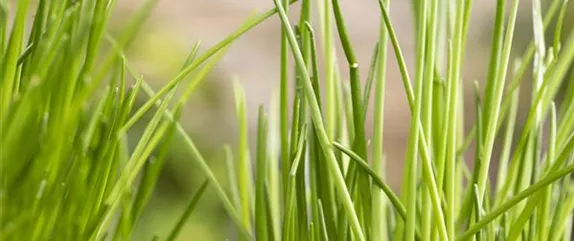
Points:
(176, 25)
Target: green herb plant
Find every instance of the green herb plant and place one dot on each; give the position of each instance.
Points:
(67, 104)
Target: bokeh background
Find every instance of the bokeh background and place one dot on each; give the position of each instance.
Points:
(175, 25)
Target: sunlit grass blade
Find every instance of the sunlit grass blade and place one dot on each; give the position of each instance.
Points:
(243, 162)
(231, 175)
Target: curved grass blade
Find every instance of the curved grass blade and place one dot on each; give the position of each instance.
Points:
(378, 181)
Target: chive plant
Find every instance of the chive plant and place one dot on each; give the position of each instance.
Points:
(67, 104)
(334, 189)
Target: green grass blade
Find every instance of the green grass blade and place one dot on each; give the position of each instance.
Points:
(9, 67)
(284, 107)
(379, 78)
(188, 211)
(370, 79)
(376, 179)
(261, 202)
(243, 162)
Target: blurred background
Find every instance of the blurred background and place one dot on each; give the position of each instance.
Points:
(209, 117)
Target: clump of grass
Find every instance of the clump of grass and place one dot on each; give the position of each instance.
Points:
(67, 174)
(332, 188)
(67, 104)
(66, 171)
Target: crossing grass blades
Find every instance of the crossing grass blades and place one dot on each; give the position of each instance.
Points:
(67, 104)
